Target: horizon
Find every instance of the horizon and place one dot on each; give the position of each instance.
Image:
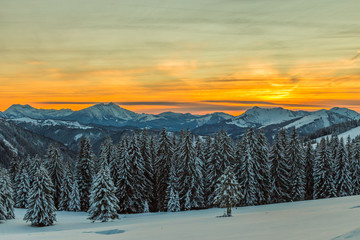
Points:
(156, 113)
(189, 56)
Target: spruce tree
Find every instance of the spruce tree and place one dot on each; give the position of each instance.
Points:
(74, 203)
(263, 176)
(249, 170)
(105, 152)
(216, 167)
(126, 189)
(23, 188)
(227, 192)
(173, 199)
(343, 182)
(84, 172)
(162, 165)
(279, 170)
(295, 155)
(103, 202)
(41, 208)
(6, 196)
(56, 171)
(66, 189)
(323, 177)
(355, 162)
(309, 169)
(190, 174)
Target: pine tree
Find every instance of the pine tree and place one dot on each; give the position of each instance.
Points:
(343, 183)
(14, 168)
(227, 193)
(148, 168)
(103, 202)
(279, 170)
(105, 152)
(126, 189)
(74, 204)
(162, 166)
(85, 171)
(295, 155)
(309, 168)
(263, 176)
(23, 188)
(56, 171)
(66, 189)
(190, 174)
(323, 177)
(216, 167)
(41, 208)
(173, 202)
(355, 162)
(6, 197)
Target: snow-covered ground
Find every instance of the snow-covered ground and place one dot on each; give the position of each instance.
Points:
(337, 218)
(352, 133)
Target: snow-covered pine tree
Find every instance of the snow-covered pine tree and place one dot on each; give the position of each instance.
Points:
(41, 208)
(279, 171)
(105, 152)
(173, 200)
(74, 203)
(23, 188)
(206, 180)
(190, 174)
(148, 167)
(103, 202)
(227, 192)
(309, 169)
(262, 159)
(214, 170)
(66, 189)
(248, 170)
(6, 196)
(295, 155)
(138, 173)
(84, 172)
(226, 149)
(323, 177)
(125, 188)
(343, 182)
(153, 156)
(56, 171)
(14, 168)
(162, 166)
(355, 163)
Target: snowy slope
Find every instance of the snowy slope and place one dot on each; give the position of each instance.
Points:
(18, 111)
(352, 133)
(346, 112)
(257, 116)
(326, 219)
(50, 122)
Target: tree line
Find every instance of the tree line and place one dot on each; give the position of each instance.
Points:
(168, 172)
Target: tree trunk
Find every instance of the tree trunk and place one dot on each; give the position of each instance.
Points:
(229, 211)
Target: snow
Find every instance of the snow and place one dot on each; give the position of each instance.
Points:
(263, 116)
(49, 122)
(318, 115)
(77, 136)
(352, 133)
(336, 218)
(8, 144)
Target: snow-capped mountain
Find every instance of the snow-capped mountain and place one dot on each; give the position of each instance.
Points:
(103, 114)
(258, 117)
(2, 115)
(18, 111)
(113, 115)
(346, 112)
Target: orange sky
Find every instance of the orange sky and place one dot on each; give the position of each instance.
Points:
(183, 56)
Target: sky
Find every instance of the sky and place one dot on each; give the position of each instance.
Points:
(195, 56)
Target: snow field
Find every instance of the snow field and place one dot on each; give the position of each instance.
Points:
(336, 218)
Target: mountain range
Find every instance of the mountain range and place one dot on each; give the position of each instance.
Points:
(66, 126)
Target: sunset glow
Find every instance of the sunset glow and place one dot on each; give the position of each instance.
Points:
(184, 56)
